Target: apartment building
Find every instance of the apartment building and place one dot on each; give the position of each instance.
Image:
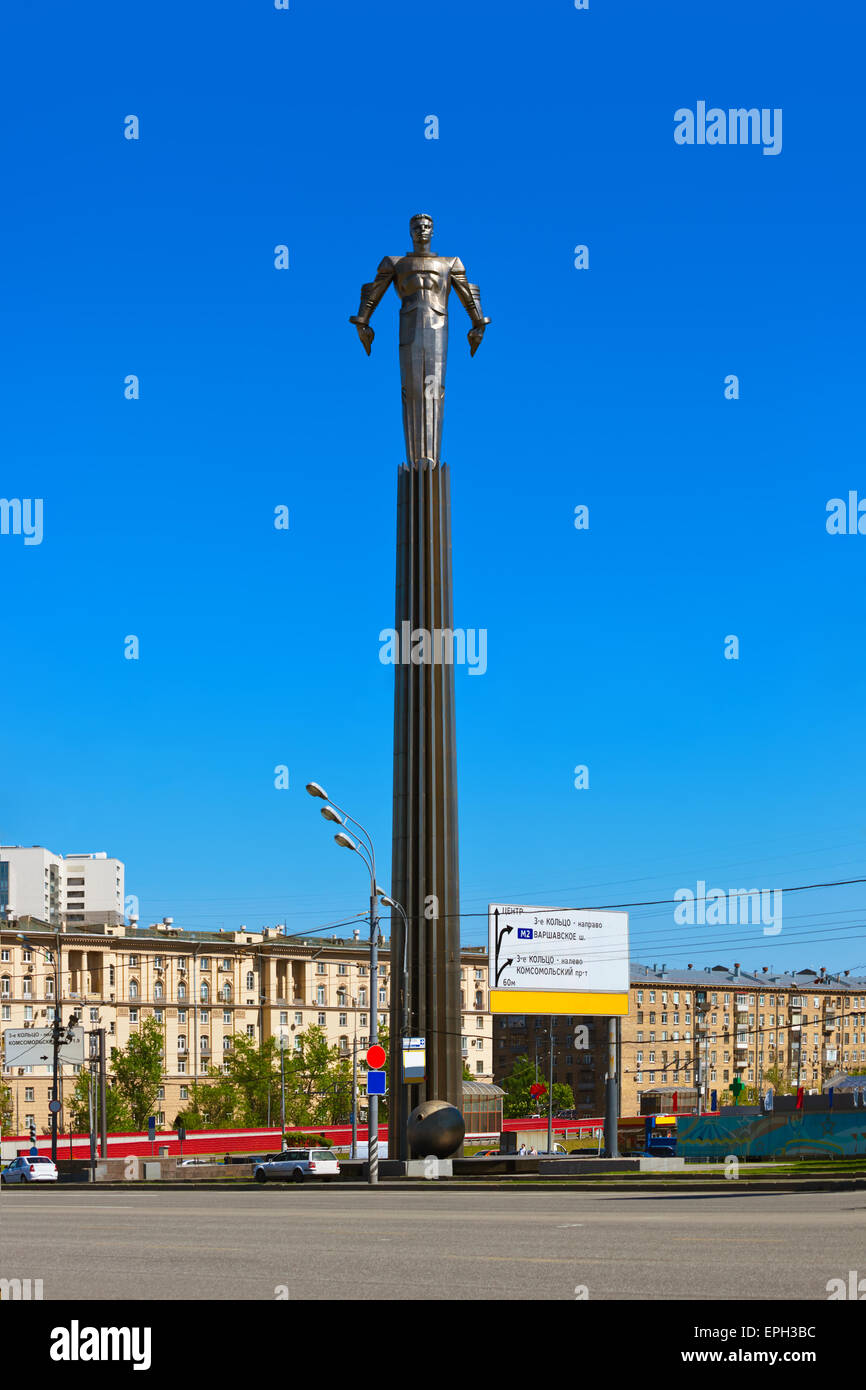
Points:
(699, 1028)
(203, 987)
(75, 888)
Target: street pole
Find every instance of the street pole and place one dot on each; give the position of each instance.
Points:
(355, 1091)
(55, 1085)
(282, 1091)
(373, 1101)
(611, 1136)
(92, 1116)
(103, 1129)
(550, 1093)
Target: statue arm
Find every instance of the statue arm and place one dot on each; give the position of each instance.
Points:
(370, 296)
(470, 297)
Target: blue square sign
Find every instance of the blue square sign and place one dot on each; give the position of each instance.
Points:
(376, 1083)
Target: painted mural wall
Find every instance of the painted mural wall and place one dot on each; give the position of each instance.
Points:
(799, 1135)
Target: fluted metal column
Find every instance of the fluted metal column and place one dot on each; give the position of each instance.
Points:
(424, 862)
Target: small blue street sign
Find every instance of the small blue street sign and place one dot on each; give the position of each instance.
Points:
(376, 1083)
(151, 1126)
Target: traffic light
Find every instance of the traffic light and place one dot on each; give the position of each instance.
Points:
(33, 1134)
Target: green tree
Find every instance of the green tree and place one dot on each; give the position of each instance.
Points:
(138, 1071)
(7, 1109)
(320, 1080)
(118, 1117)
(253, 1075)
(213, 1103)
(779, 1080)
(518, 1101)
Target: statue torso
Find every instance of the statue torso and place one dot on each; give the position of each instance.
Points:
(423, 280)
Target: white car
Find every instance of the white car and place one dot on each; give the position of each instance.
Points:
(28, 1168)
(295, 1165)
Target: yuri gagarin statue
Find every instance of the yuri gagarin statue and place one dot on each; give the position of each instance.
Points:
(423, 281)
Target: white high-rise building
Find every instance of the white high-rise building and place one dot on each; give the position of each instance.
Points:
(72, 888)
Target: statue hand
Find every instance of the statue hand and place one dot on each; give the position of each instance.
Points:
(475, 335)
(365, 333)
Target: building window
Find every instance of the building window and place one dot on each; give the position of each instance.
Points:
(157, 1013)
(227, 1016)
(29, 1093)
(341, 970)
(181, 1042)
(205, 991)
(133, 1015)
(133, 989)
(181, 991)
(205, 962)
(299, 1018)
(251, 1030)
(158, 990)
(181, 1015)
(320, 994)
(321, 1020)
(181, 1068)
(320, 967)
(251, 980)
(343, 1020)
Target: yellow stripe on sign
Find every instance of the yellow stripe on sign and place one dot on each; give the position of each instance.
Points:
(542, 1001)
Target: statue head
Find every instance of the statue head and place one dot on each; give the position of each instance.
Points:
(421, 230)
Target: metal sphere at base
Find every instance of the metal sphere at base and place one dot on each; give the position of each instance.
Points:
(435, 1129)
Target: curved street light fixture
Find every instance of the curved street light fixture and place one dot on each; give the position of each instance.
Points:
(365, 851)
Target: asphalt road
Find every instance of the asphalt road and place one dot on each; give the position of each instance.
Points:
(324, 1243)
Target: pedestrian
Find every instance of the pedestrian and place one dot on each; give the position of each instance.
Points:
(522, 1151)
(533, 1152)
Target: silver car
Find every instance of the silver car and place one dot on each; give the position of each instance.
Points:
(296, 1165)
(30, 1169)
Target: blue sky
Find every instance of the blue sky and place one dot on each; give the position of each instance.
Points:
(602, 387)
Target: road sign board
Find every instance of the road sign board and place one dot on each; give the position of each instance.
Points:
(414, 1059)
(376, 1083)
(34, 1047)
(55, 1107)
(549, 960)
(151, 1126)
(376, 1057)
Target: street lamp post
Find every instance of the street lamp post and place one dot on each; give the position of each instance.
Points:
(336, 814)
(282, 1090)
(355, 1081)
